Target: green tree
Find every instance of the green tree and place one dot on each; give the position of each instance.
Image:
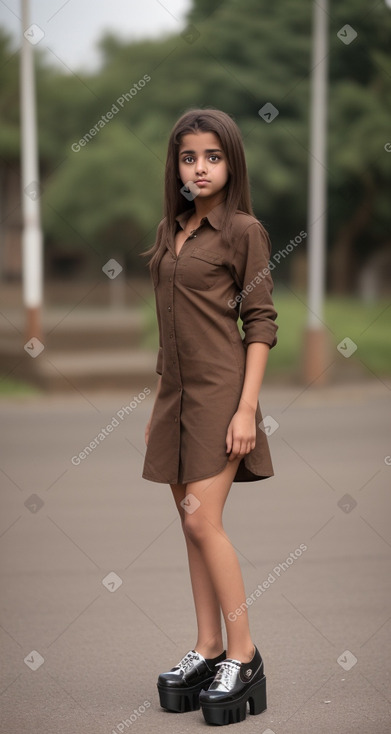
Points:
(106, 196)
(241, 55)
(9, 100)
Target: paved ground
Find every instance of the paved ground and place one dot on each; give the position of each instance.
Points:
(66, 526)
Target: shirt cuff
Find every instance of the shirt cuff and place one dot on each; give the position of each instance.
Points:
(265, 334)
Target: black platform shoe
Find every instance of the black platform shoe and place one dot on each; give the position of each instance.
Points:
(180, 687)
(235, 683)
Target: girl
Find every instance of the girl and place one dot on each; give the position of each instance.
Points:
(210, 261)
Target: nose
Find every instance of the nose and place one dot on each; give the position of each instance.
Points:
(200, 166)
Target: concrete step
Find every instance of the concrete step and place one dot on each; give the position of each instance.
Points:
(67, 330)
(54, 370)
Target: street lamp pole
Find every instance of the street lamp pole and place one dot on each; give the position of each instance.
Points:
(32, 233)
(316, 344)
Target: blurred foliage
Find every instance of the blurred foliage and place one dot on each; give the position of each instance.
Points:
(9, 387)
(235, 55)
(9, 100)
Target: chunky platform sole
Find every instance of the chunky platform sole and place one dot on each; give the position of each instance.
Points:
(183, 699)
(234, 711)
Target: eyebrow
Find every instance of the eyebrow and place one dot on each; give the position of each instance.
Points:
(207, 150)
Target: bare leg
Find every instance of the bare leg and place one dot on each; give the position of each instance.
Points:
(209, 641)
(205, 531)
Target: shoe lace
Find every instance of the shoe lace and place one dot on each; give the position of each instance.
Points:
(226, 672)
(187, 661)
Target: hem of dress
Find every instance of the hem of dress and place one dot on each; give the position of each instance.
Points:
(246, 473)
(185, 481)
(160, 481)
(255, 477)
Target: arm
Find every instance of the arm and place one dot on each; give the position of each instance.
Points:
(256, 360)
(252, 276)
(241, 430)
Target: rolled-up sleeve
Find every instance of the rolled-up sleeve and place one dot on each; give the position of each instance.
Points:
(250, 267)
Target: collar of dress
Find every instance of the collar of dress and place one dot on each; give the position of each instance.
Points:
(215, 217)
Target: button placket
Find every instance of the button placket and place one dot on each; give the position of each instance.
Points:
(173, 345)
(190, 237)
(172, 336)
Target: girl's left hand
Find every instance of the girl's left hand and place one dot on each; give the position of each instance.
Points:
(241, 433)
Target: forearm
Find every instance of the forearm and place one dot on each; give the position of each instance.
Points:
(256, 360)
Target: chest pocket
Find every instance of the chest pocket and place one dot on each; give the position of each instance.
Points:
(199, 269)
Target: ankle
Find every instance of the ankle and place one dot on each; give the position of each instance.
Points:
(210, 651)
(244, 654)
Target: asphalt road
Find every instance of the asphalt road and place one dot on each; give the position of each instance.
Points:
(96, 597)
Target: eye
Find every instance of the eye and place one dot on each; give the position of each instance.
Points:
(216, 157)
(188, 158)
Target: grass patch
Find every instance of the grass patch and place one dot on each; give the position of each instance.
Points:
(16, 388)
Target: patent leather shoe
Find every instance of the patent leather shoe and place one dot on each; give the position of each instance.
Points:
(235, 683)
(180, 687)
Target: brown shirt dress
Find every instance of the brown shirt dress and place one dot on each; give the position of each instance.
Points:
(202, 355)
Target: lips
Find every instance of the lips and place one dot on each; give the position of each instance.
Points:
(201, 181)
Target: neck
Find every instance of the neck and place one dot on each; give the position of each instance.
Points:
(204, 206)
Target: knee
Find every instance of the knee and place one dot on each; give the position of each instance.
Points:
(194, 527)
(200, 528)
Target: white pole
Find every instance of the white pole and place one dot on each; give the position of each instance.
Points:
(315, 352)
(317, 165)
(32, 233)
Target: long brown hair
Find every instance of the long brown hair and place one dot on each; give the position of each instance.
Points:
(238, 188)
